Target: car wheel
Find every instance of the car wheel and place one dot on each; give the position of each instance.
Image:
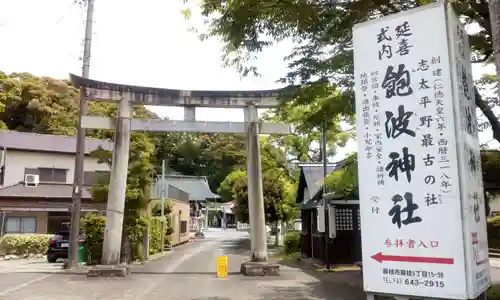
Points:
(51, 258)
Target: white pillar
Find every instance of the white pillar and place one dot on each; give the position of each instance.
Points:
(117, 186)
(257, 218)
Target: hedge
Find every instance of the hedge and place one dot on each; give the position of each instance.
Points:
(22, 244)
(155, 235)
(94, 227)
(292, 242)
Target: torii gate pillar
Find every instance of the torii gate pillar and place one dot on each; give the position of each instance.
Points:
(256, 211)
(117, 186)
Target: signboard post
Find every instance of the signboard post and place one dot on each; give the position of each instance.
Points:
(422, 207)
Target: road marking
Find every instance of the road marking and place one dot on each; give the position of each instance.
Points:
(23, 285)
(187, 256)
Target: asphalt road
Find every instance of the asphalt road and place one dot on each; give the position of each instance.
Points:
(188, 273)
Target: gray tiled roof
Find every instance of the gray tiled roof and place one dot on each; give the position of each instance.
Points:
(42, 190)
(47, 142)
(196, 186)
(313, 173)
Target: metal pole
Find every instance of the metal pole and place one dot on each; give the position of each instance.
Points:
(206, 214)
(162, 205)
(80, 145)
(118, 185)
(255, 190)
(325, 202)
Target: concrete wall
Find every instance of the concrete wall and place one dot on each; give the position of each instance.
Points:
(176, 207)
(16, 161)
(180, 212)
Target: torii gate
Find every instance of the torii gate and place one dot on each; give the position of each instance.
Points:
(127, 95)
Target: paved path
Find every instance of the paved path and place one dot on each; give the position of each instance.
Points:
(186, 274)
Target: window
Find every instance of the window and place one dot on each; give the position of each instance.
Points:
(183, 227)
(95, 177)
(89, 178)
(52, 175)
(31, 171)
(20, 225)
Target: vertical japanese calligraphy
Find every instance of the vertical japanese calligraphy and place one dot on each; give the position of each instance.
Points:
(407, 156)
(401, 42)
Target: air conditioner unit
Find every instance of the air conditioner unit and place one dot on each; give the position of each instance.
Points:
(31, 180)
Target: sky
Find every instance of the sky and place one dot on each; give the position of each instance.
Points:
(147, 44)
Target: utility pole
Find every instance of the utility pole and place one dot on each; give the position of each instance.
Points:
(80, 145)
(325, 202)
(162, 205)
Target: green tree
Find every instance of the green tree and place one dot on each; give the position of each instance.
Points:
(303, 144)
(37, 104)
(321, 60)
(139, 180)
(211, 155)
(277, 195)
(344, 182)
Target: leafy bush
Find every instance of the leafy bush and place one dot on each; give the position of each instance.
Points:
(20, 244)
(155, 235)
(292, 242)
(94, 226)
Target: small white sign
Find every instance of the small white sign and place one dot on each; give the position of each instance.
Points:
(412, 175)
(64, 245)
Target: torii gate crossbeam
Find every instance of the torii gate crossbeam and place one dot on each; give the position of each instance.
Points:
(124, 124)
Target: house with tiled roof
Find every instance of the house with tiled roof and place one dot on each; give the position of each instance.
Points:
(36, 179)
(196, 188)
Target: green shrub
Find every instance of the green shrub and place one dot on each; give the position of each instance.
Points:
(292, 242)
(155, 235)
(94, 226)
(21, 244)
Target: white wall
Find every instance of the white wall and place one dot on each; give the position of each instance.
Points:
(18, 160)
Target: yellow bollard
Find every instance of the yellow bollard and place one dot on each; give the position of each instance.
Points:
(222, 267)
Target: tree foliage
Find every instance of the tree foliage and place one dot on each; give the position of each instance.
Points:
(322, 60)
(46, 105)
(278, 194)
(344, 182)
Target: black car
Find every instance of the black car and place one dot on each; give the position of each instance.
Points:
(59, 246)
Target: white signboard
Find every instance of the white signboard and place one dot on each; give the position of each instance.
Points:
(407, 100)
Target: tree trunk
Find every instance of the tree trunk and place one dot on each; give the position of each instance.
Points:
(277, 225)
(489, 114)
